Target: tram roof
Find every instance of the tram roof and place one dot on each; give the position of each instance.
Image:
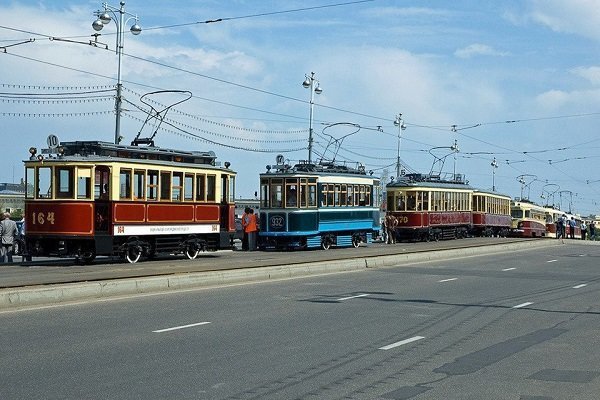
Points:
(430, 181)
(321, 169)
(105, 151)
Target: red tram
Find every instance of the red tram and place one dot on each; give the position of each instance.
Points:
(429, 208)
(91, 198)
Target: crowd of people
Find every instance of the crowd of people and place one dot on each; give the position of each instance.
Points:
(588, 229)
(250, 226)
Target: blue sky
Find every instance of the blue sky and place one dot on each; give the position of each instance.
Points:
(517, 80)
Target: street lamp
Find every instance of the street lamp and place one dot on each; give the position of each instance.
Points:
(104, 18)
(400, 124)
(494, 165)
(309, 83)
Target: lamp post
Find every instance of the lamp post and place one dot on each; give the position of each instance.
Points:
(400, 124)
(104, 17)
(309, 83)
(494, 165)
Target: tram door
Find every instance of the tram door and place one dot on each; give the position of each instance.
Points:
(101, 199)
(227, 207)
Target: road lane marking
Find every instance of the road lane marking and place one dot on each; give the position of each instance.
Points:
(352, 297)
(508, 269)
(402, 342)
(523, 305)
(549, 261)
(447, 280)
(180, 327)
(580, 286)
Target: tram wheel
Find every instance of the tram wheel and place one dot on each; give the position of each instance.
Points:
(355, 241)
(88, 257)
(326, 243)
(133, 253)
(192, 252)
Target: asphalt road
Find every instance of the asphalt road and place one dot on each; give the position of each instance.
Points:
(523, 325)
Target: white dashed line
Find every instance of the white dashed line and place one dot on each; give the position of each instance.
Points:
(580, 286)
(447, 280)
(402, 342)
(352, 297)
(180, 327)
(508, 269)
(523, 305)
(552, 261)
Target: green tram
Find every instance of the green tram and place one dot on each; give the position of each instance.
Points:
(317, 205)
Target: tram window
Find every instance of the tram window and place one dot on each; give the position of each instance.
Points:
(139, 177)
(312, 195)
(411, 201)
(44, 183)
(211, 188)
(224, 189)
(29, 182)
(165, 185)
(84, 183)
(200, 187)
(391, 204)
(361, 200)
(425, 199)
(231, 194)
(276, 193)
(329, 195)
(152, 188)
(356, 195)
(336, 195)
(188, 187)
(125, 184)
(177, 186)
(264, 193)
(101, 183)
(64, 182)
(367, 195)
(291, 192)
(343, 195)
(350, 196)
(303, 192)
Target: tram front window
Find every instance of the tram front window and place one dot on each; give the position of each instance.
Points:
(516, 213)
(44, 183)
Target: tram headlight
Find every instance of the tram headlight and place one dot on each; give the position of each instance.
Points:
(33, 152)
(227, 164)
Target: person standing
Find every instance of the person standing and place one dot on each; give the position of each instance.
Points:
(252, 230)
(572, 224)
(583, 230)
(8, 233)
(391, 223)
(592, 230)
(244, 224)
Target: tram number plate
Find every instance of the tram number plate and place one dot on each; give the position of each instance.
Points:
(277, 222)
(40, 218)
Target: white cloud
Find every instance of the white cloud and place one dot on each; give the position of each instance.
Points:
(581, 17)
(592, 74)
(478, 49)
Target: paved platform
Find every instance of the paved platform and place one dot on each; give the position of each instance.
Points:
(53, 281)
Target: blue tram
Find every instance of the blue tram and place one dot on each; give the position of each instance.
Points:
(317, 205)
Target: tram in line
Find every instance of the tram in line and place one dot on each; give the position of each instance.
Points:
(428, 207)
(528, 219)
(89, 198)
(322, 205)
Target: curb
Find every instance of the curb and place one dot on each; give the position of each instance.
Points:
(62, 293)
